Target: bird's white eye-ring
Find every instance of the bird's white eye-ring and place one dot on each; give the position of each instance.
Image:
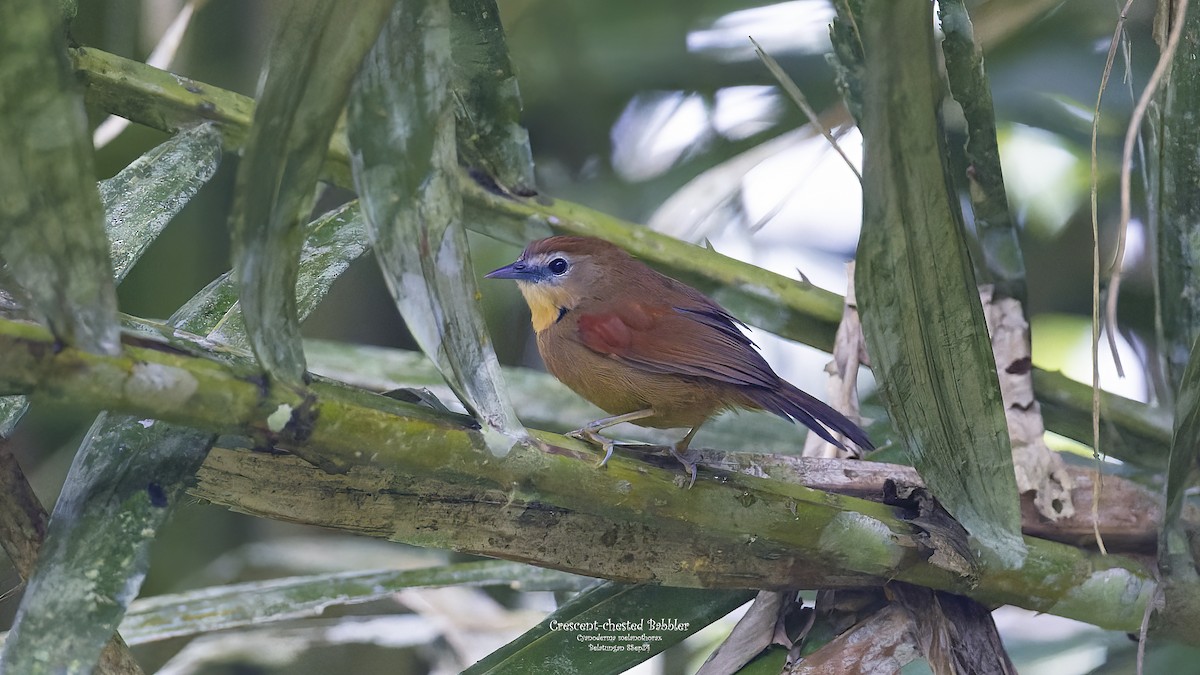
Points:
(558, 266)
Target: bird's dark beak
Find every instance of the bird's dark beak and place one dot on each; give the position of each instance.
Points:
(519, 270)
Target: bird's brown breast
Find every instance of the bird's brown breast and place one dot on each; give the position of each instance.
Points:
(618, 387)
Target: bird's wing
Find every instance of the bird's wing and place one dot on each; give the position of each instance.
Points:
(699, 339)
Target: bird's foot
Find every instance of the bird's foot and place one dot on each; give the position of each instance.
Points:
(688, 465)
(586, 434)
(589, 435)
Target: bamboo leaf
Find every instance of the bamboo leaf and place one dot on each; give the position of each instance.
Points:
(401, 128)
(51, 221)
(921, 314)
(256, 603)
(313, 57)
(610, 628)
(1174, 209)
(1175, 553)
(332, 242)
(138, 203)
(490, 135)
(128, 474)
(1003, 264)
(97, 545)
(141, 199)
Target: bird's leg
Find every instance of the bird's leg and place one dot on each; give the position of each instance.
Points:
(679, 448)
(590, 432)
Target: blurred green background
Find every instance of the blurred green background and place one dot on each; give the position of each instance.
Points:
(628, 103)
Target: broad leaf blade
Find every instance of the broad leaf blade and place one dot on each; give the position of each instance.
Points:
(141, 199)
(260, 602)
(490, 135)
(51, 222)
(401, 128)
(138, 203)
(130, 472)
(332, 242)
(1003, 263)
(920, 310)
(611, 628)
(1175, 557)
(313, 58)
(97, 545)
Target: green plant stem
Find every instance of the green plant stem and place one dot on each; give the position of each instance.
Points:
(414, 475)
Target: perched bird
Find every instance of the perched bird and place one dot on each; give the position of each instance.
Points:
(648, 349)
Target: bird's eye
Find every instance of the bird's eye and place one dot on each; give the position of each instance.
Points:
(558, 266)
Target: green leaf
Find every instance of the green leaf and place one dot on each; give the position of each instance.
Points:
(920, 308)
(313, 57)
(1174, 548)
(138, 203)
(51, 221)
(490, 135)
(332, 242)
(1174, 208)
(124, 481)
(1002, 263)
(256, 603)
(97, 545)
(401, 127)
(611, 628)
(141, 199)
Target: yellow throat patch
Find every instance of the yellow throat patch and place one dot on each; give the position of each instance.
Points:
(545, 303)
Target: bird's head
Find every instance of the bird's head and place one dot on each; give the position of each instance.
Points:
(557, 274)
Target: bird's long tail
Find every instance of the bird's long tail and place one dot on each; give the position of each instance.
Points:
(791, 403)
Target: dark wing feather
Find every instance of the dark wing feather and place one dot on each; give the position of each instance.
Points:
(703, 340)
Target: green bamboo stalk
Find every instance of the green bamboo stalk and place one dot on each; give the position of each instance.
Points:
(747, 532)
(1175, 209)
(1175, 212)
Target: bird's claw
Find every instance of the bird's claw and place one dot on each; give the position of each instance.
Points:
(608, 447)
(586, 434)
(589, 435)
(687, 465)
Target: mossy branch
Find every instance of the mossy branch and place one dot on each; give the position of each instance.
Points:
(414, 475)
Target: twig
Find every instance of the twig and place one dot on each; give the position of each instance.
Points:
(1131, 135)
(1108, 64)
(797, 96)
